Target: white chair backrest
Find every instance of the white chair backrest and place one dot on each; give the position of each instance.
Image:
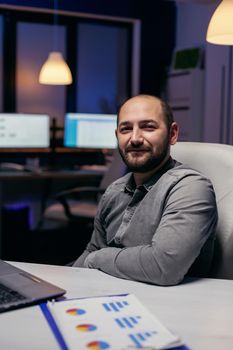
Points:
(215, 161)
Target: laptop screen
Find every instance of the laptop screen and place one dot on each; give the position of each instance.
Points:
(84, 130)
(18, 130)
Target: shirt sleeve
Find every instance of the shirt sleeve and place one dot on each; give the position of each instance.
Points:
(188, 220)
(98, 239)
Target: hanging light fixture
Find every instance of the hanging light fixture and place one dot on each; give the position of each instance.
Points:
(55, 70)
(220, 29)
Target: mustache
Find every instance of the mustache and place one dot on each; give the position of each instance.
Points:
(136, 148)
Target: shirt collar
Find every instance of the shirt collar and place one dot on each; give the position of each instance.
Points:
(130, 186)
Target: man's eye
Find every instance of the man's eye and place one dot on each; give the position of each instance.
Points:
(124, 129)
(149, 126)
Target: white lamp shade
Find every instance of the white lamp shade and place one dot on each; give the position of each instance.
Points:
(55, 71)
(220, 29)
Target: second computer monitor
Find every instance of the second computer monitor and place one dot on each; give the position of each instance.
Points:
(85, 130)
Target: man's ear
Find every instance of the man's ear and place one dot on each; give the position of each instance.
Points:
(174, 132)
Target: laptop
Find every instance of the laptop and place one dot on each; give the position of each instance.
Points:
(19, 288)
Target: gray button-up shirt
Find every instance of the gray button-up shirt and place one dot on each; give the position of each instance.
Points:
(156, 232)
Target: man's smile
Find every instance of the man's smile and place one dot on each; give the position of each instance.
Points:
(130, 150)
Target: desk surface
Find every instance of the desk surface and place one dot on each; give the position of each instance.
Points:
(49, 174)
(199, 311)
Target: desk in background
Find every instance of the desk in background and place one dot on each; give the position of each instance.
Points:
(199, 311)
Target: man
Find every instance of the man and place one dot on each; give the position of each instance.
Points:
(155, 224)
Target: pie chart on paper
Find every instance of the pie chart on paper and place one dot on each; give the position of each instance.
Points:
(75, 312)
(86, 327)
(98, 345)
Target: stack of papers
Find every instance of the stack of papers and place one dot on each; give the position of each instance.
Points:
(112, 322)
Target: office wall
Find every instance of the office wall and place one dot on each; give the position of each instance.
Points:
(192, 23)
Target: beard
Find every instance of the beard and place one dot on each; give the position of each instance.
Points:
(152, 160)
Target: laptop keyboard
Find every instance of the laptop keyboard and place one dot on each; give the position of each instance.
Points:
(8, 295)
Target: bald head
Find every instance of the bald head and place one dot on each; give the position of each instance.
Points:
(160, 106)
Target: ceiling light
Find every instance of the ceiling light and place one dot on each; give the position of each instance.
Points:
(55, 70)
(220, 29)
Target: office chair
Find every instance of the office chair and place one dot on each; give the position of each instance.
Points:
(79, 204)
(216, 162)
(67, 222)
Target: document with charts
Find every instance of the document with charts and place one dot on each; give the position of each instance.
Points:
(111, 322)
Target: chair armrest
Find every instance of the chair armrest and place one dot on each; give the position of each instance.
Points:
(79, 190)
(63, 197)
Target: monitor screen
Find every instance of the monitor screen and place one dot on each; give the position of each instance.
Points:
(19, 130)
(90, 130)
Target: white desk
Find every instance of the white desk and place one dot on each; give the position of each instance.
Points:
(200, 312)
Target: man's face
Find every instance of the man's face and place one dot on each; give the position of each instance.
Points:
(143, 138)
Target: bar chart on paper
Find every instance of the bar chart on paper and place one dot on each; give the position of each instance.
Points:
(140, 338)
(112, 322)
(115, 306)
(128, 322)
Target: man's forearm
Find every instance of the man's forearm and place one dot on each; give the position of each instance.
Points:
(137, 263)
(81, 259)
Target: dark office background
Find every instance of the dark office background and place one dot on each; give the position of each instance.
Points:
(158, 20)
(157, 31)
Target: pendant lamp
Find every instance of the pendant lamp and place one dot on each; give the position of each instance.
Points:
(55, 70)
(220, 29)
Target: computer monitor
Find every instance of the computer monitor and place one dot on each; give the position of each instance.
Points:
(95, 131)
(18, 130)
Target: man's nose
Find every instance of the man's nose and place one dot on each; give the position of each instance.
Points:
(136, 137)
